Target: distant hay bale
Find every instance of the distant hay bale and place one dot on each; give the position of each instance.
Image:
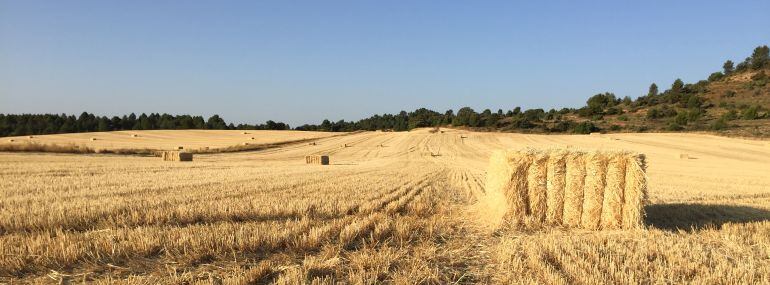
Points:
(253, 138)
(93, 139)
(245, 143)
(684, 156)
(591, 190)
(244, 133)
(11, 140)
(31, 137)
(173, 155)
(317, 159)
(134, 135)
(179, 147)
(595, 134)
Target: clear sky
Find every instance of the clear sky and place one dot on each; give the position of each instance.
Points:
(303, 61)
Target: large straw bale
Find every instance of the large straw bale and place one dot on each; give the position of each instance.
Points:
(557, 171)
(573, 188)
(612, 207)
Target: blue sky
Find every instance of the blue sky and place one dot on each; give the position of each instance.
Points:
(303, 61)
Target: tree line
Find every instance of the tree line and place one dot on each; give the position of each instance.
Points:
(38, 124)
(680, 105)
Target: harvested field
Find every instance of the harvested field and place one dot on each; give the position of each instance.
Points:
(394, 214)
(172, 139)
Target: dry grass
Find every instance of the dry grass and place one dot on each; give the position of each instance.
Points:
(376, 215)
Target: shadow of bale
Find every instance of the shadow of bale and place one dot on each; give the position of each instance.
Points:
(692, 217)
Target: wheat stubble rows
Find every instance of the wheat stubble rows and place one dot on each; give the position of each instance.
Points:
(392, 207)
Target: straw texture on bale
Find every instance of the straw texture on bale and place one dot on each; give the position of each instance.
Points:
(556, 172)
(593, 190)
(173, 155)
(537, 180)
(612, 206)
(635, 191)
(573, 188)
(317, 159)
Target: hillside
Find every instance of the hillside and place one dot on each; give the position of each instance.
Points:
(734, 101)
(736, 104)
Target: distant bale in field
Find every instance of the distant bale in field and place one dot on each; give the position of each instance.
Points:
(134, 135)
(180, 148)
(173, 155)
(572, 188)
(595, 134)
(31, 137)
(245, 143)
(684, 156)
(317, 159)
(244, 133)
(11, 140)
(93, 139)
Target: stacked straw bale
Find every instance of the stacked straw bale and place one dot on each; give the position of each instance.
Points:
(173, 155)
(317, 159)
(572, 188)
